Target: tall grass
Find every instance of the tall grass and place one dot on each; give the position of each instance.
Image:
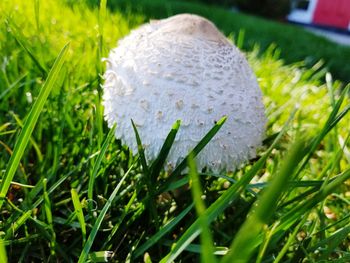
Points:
(70, 192)
(31, 119)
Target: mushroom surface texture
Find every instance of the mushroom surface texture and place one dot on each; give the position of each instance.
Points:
(184, 68)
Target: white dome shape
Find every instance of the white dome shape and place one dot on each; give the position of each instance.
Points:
(183, 68)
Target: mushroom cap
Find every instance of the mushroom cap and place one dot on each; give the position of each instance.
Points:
(184, 68)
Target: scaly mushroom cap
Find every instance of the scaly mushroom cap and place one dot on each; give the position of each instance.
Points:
(184, 68)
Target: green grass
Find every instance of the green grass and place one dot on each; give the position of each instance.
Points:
(71, 192)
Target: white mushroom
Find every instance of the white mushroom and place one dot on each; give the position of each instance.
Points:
(184, 68)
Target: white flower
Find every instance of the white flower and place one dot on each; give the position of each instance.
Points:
(184, 68)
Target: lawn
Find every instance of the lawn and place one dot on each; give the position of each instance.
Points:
(71, 192)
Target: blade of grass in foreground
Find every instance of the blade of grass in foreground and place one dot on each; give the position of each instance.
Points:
(207, 250)
(242, 247)
(152, 172)
(141, 151)
(196, 150)
(98, 162)
(224, 200)
(79, 212)
(85, 252)
(30, 122)
(158, 164)
(3, 257)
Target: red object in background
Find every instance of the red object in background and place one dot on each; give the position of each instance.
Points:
(334, 13)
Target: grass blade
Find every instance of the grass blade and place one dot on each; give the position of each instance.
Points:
(36, 11)
(240, 38)
(99, 109)
(48, 213)
(101, 19)
(331, 186)
(147, 177)
(196, 248)
(196, 150)
(158, 164)
(207, 250)
(32, 141)
(102, 15)
(3, 257)
(79, 212)
(11, 231)
(101, 256)
(30, 122)
(242, 246)
(289, 241)
(98, 162)
(338, 118)
(141, 151)
(85, 252)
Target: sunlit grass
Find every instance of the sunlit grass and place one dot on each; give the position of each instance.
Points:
(296, 43)
(71, 192)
